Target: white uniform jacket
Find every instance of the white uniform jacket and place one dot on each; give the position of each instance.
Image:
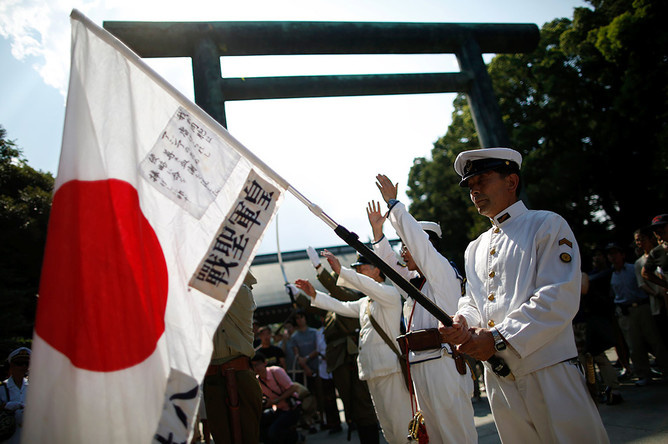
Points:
(442, 285)
(375, 357)
(17, 394)
(524, 280)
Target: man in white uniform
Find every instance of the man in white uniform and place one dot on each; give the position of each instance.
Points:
(443, 393)
(522, 294)
(378, 364)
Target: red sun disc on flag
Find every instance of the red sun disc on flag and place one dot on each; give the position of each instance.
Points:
(104, 281)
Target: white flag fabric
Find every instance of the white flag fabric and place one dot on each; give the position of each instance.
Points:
(157, 214)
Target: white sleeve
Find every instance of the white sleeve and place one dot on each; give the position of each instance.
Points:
(384, 251)
(385, 295)
(436, 269)
(556, 297)
(326, 302)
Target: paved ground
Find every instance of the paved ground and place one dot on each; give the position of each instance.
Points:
(642, 418)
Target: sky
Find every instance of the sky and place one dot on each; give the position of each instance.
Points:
(329, 149)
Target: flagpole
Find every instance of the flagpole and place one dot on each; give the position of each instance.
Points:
(350, 238)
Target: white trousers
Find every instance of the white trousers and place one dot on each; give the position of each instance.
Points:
(444, 397)
(393, 406)
(551, 405)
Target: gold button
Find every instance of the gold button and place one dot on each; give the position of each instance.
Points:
(491, 323)
(497, 230)
(492, 274)
(492, 252)
(491, 297)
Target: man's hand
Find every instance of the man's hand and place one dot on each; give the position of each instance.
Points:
(458, 333)
(305, 286)
(333, 261)
(376, 219)
(387, 189)
(480, 346)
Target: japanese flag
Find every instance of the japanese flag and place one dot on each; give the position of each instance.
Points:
(157, 214)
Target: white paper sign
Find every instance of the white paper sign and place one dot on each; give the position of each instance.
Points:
(189, 163)
(236, 238)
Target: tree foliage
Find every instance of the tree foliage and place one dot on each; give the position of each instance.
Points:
(25, 201)
(587, 110)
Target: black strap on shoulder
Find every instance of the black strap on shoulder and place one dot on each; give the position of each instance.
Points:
(381, 332)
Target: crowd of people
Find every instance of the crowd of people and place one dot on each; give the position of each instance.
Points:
(397, 368)
(536, 319)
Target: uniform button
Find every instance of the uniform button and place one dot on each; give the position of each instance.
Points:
(491, 323)
(491, 297)
(492, 252)
(497, 230)
(492, 274)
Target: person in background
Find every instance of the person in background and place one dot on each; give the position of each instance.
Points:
(332, 420)
(634, 316)
(13, 390)
(288, 329)
(646, 242)
(656, 264)
(232, 394)
(273, 353)
(280, 403)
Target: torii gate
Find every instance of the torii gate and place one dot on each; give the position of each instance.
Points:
(206, 42)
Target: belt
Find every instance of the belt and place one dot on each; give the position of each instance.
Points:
(236, 364)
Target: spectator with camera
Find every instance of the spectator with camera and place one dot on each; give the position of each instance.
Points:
(279, 400)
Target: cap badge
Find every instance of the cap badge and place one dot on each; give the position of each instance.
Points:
(467, 167)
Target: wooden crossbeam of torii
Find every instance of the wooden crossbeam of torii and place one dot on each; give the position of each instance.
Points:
(206, 42)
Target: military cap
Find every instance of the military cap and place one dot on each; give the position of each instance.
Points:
(473, 162)
(21, 352)
(431, 226)
(361, 260)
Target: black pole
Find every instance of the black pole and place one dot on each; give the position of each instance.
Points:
(498, 364)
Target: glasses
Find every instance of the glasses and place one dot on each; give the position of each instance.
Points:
(403, 249)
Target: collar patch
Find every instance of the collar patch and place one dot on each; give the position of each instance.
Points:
(504, 217)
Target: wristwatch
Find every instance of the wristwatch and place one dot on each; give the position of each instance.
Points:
(499, 343)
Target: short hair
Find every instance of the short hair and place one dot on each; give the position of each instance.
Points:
(506, 170)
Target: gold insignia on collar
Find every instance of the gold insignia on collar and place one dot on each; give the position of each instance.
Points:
(565, 257)
(565, 241)
(503, 218)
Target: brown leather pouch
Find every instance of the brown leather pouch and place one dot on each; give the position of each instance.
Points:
(419, 340)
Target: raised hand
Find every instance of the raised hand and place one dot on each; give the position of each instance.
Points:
(376, 219)
(333, 261)
(305, 286)
(387, 189)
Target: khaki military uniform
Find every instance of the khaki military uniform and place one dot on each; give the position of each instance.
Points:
(233, 347)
